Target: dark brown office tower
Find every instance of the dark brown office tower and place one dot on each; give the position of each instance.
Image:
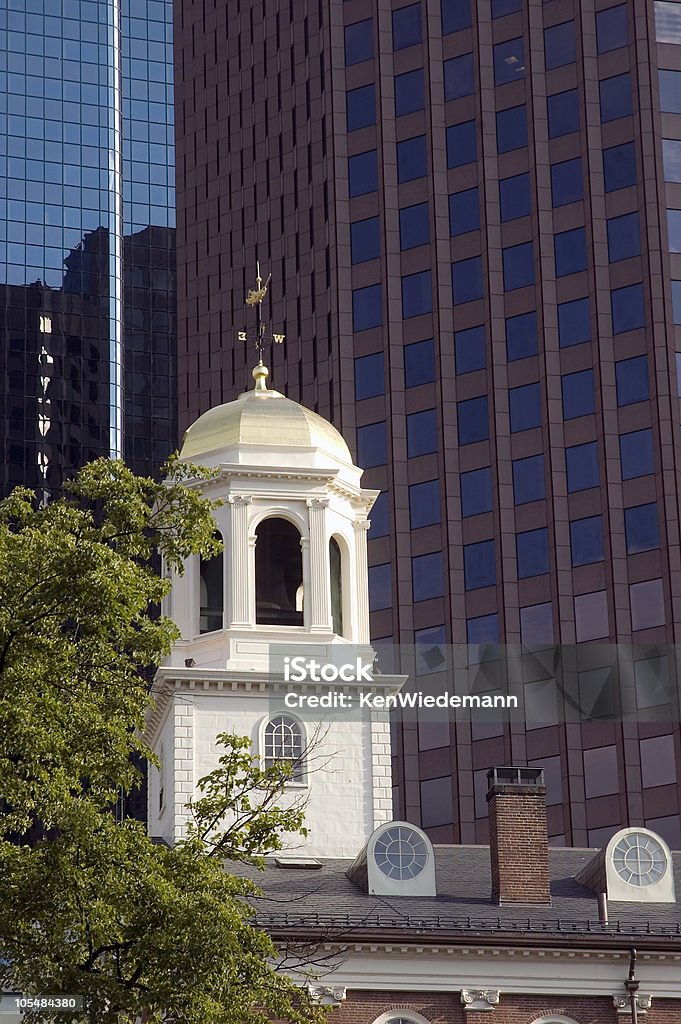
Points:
(472, 216)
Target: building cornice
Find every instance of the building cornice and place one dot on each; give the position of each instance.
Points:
(547, 970)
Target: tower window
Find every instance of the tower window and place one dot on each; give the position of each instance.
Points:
(211, 583)
(284, 742)
(336, 586)
(278, 574)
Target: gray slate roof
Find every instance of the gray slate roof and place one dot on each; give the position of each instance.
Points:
(326, 901)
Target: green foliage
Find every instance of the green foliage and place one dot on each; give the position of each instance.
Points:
(91, 906)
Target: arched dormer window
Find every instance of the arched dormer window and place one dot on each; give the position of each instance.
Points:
(212, 590)
(278, 574)
(336, 577)
(284, 741)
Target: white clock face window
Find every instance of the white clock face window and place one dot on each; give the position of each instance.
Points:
(639, 859)
(400, 853)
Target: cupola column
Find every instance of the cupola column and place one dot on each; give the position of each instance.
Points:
(361, 527)
(242, 569)
(320, 585)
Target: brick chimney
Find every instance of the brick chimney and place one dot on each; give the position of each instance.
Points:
(518, 836)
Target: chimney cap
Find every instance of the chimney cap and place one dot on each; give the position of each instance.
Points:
(520, 777)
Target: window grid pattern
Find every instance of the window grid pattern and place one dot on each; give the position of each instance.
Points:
(284, 742)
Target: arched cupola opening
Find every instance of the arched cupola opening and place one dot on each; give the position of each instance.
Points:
(212, 591)
(336, 578)
(278, 574)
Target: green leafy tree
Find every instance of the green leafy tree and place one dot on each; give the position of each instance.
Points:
(88, 904)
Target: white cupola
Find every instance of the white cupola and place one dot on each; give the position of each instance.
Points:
(292, 577)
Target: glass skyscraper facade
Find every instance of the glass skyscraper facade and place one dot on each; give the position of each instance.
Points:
(87, 247)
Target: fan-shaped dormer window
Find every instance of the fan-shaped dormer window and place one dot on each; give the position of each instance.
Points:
(336, 577)
(278, 574)
(398, 860)
(212, 590)
(284, 742)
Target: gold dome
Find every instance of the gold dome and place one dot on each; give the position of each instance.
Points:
(264, 418)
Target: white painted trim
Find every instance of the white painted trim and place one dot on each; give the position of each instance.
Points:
(545, 972)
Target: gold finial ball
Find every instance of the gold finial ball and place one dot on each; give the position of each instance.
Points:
(260, 375)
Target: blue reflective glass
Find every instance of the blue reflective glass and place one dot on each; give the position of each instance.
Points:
(636, 454)
(467, 282)
(566, 182)
(524, 407)
(417, 294)
(578, 394)
(464, 212)
(511, 129)
(483, 629)
(616, 97)
(365, 240)
(619, 167)
(380, 587)
(479, 565)
(674, 230)
(676, 303)
(367, 309)
(409, 92)
(419, 363)
(462, 145)
(570, 251)
(563, 113)
(473, 420)
(363, 173)
(469, 349)
(581, 464)
(406, 26)
(456, 14)
(361, 107)
(503, 7)
(627, 307)
(641, 528)
(521, 336)
(631, 377)
(624, 237)
(532, 553)
(459, 80)
(611, 29)
(412, 161)
(509, 61)
(670, 91)
(372, 445)
(528, 480)
(671, 159)
(586, 540)
(574, 322)
(379, 516)
(559, 45)
(476, 492)
(424, 504)
(427, 576)
(359, 42)
(414, 226)
(369, 376)
(514, 197)
(421, 433)
(518, 263)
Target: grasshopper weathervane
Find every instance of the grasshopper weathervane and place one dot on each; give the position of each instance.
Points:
(255, 298)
